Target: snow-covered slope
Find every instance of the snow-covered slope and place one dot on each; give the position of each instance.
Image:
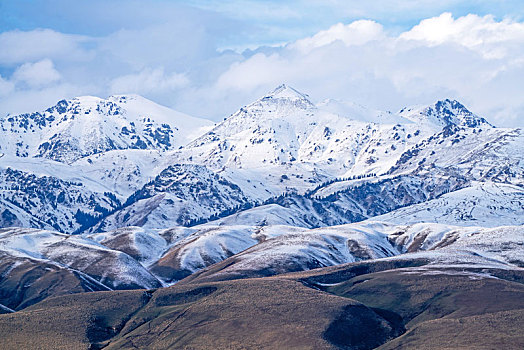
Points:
(134, 257)
(111, 268)
(279, 248)
(495, 154)
(308, 249)
(356, 112)
(503, 244)
(29, 200)
(267, 215)
(483, 204)
(297, 249)
(146, 246)
(179, 195)
(341, 202)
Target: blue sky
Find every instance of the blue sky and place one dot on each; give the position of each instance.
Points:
(243, 22)
(385, 54)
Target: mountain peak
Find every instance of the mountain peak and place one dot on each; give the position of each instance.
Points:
(284, 91)
(445, 113)
(451, 105)
(454, 112)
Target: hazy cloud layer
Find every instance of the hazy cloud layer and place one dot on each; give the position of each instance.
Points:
(182, 63)
(36, 75)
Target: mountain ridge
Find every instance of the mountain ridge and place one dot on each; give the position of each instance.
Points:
(280, 144)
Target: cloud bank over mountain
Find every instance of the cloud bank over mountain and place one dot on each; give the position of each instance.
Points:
(186, 64)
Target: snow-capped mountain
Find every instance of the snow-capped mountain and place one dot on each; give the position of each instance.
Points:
(68, 166)
(280, 160)
(284, 132)
(88, 125)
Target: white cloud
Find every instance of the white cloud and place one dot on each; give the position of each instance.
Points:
(148, 81)
(181, 44)
(483, 34)
(19, 46)
(6, 86)
(356, 33)
(254, 72)
(36, 75)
